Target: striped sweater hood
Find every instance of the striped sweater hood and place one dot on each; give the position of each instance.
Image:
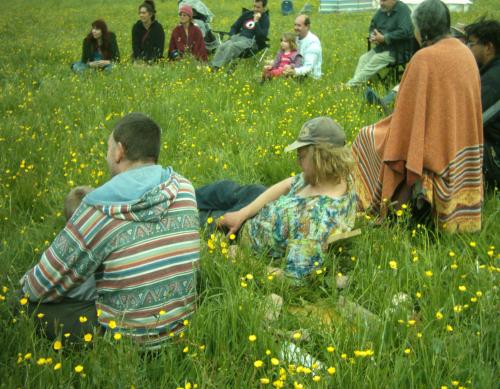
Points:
(143, 194)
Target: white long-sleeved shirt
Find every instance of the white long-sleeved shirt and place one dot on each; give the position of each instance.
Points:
(310, 50)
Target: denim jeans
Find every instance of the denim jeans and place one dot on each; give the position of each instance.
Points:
(214, 200)
(80, 67)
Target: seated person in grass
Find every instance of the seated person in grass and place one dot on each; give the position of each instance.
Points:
(309, 47)
(250, 30)
(483, 39)
(99, 50)
(286, 56)
(187, 38)
(294, 217)
(137, 235)
(148, 36)
(429, 151)
(391, 34)
(457, 31)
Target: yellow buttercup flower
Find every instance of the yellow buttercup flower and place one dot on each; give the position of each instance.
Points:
(78, 368)
(252, 338)
(258, 363)
(331, 370)
(87, 337)
(57, 345)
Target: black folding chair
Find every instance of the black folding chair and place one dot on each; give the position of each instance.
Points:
(257, 52)
(392, 73)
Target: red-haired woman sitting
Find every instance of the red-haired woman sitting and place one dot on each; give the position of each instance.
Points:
(99, 49)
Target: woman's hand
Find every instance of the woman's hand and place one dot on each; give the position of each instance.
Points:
(233, 221)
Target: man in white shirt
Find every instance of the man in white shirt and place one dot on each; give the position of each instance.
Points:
(309, 48)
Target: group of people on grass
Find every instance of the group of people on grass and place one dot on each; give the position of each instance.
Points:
(129, 254)
(249, 32)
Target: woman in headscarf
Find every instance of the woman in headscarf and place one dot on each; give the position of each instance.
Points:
(187, 38)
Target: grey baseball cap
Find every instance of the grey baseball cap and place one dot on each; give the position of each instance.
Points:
(319, 130)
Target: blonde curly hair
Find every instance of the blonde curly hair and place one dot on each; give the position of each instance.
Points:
(331, 163)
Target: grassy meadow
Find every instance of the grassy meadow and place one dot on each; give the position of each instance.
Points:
(441, 332)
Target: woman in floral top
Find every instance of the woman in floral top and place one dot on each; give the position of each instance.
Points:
(295, 217)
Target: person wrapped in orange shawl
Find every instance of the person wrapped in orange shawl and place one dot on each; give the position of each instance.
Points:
(430, 149)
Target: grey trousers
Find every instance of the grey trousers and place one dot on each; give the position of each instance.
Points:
(231, 49)
(368, 65)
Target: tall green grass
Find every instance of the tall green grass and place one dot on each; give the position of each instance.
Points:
(53, 136)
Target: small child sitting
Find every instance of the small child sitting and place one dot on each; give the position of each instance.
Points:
(287, 55)
(87, 290)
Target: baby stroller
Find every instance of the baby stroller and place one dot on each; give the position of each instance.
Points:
(202, 17)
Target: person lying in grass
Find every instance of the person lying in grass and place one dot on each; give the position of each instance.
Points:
(294, 217)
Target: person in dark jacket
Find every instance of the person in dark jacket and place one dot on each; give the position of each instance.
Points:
(148, 36)
(250, 30)
(99, 49)
(483, 39)
(391, 33)
(187, 38)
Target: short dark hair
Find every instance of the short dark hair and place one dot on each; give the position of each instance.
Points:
(486, 31)
(139, 136)
(307, 20)
(264, 2)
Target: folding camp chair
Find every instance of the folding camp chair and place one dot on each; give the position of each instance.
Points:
(253, 52)
(394, 71)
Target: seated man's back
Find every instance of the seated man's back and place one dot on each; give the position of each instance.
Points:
(138, 235)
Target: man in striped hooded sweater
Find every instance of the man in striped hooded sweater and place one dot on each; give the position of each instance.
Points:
(137, 235)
